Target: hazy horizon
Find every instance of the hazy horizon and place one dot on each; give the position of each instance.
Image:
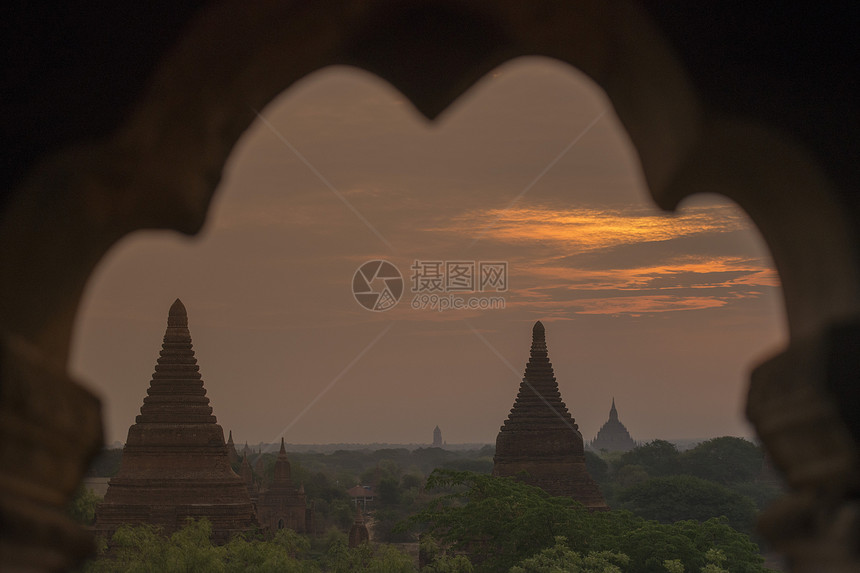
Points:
(665, 313)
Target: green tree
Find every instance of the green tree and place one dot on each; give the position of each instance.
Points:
(341, 513)
(410, 481)
(82, 508)
(275, 556)
(657, 458)
(724, 460)
(630, 475)
(761, 494)
(500, 522)
(678, 498)
(388, 491)
(438, 561)
(742, 555)
(190, 549)
(366, 558)
(560, 558)
(597, 467)
(144, 549)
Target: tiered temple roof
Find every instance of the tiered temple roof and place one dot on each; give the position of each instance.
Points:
(613, 436)
(541, 438)
(175, 463)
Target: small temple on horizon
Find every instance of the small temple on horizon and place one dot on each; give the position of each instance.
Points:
(540, 442)
(613, 436)
(437, 437)
(175, 463)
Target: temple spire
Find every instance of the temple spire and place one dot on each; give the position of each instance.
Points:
(175, 463)
(176, 394)
(613, 436)
(177, 316)
(538, 400)
(282, 466)
(540, 439)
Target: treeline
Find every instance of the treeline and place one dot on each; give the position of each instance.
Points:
(720, 477)
(474, 524)
(672, 511)
(501, 524)
(396, 474)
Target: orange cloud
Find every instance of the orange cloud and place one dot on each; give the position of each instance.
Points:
(671, 280)
(585, 229)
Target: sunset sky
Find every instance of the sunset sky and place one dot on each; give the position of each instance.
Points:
(665, 312)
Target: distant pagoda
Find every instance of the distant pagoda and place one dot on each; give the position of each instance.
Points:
(231, 450)
(175, 463)
(437, 437)
(613, 436)
(541, 438)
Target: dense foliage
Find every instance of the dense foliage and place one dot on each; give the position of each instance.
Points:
(143, 549)
(722, 476)
(82, 508)
(685, 512)
(676, 498)
(501, 522)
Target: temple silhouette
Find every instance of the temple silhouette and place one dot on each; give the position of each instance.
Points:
(613, 436)
(176, 464)
(437, 437)
(540, 442)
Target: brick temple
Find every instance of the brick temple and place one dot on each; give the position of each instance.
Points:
(613, 435)
(541, 438)
(281, 505)
(175, 463)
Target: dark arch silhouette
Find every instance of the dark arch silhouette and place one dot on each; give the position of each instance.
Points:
(122, 119)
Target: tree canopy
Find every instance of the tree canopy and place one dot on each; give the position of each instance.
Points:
(501, 522)
(676, 498)
(724, 460)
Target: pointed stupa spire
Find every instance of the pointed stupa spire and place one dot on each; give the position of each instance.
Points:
(176, 394)
(282, 466)
(613, 413)
(177, 316)
(541, 438)
(538, 401)
(245, 470)
(175, 463)
(232, 454)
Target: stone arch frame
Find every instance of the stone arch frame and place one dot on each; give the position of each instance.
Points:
(156, 165)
